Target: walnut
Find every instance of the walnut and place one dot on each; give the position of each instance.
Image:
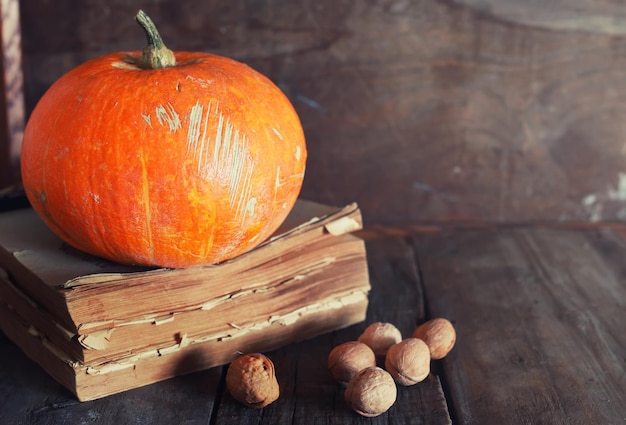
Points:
(371, 392)
(439, 335)
(408, 361)
(348, 358)
(379, 336)
(250, 379)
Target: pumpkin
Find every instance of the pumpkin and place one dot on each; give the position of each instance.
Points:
(161, 158)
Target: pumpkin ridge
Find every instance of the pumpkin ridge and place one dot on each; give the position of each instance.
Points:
(41, 193)
(147, 207)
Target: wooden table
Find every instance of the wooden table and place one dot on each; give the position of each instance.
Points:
(540, 313)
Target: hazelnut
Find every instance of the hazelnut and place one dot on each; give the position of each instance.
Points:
(408, 361)
(250, 379)
(439, 335)
(348, 358)
(379, 336)
(371, 392)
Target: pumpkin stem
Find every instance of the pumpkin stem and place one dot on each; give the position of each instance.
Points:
(155, 55)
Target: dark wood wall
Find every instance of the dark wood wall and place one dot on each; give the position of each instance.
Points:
(430, 110)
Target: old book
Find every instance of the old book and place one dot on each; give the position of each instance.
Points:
(101, 328)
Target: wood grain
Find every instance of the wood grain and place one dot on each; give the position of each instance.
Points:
(12, 114)
(308, 393)
(570, 15)
(539, 314)
(449, 111)
(30, 396)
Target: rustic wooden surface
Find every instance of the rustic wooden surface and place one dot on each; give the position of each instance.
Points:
(424, 112)
(428, 110)
(539, 312)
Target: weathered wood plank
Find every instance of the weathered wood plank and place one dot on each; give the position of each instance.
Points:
(419, 111)
(12, 114)
(576, 15)
(28, 396)
(308, 393)
(540, 316)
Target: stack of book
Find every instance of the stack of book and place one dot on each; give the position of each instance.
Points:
(100, 328)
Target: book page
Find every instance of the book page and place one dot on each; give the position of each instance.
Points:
(27, 238)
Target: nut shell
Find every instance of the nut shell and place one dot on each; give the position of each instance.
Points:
(371, 392)
(379, 336)
(349, 358)
(408, 361)
(251, 380)
(439, 335)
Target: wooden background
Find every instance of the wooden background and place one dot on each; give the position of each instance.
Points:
(421, 111)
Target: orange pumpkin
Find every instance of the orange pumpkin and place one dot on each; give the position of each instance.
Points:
(163, 158)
